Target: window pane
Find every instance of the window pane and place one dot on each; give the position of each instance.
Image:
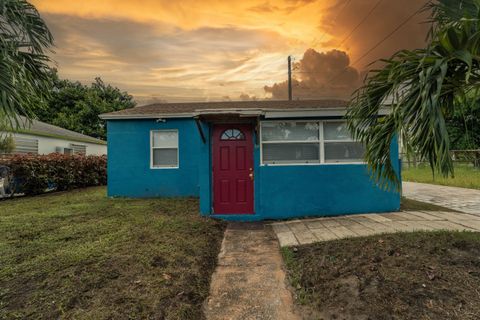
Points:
(288, 131)
(165, 139)
(232, 134)
(165, 158)
(290, 152)
(344, 151)
(336, 131)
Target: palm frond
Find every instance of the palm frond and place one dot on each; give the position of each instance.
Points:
(25, 41)
(421, 87)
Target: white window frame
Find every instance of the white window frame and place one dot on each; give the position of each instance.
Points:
(152, 148)
(321, 143)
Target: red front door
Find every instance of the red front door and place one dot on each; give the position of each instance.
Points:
(232, 169)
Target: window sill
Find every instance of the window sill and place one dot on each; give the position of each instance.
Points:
(156, 168)
(310, 164)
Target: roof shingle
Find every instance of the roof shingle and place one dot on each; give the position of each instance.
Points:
(160, 109)
(37, 127)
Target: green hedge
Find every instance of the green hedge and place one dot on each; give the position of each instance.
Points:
(34, 174)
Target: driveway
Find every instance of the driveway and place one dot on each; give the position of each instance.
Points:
(296, 232)
(459, 199)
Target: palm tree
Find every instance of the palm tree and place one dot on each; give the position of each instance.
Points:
(422, 87)
(24, 70)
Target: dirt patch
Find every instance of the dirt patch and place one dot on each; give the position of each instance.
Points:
(434, 275)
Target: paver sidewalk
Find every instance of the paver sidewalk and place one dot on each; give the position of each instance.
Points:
(249, 282)
(295, 232)
(460, 199)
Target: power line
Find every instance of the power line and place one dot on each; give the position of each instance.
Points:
(352, 31)
(380, 42)
(389, 35)
(335, 19)
(361, 22)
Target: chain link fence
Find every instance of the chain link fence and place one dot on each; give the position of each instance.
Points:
(467, 157)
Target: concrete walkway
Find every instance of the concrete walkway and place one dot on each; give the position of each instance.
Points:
(295, 232)
(249, 282)
(460, 199)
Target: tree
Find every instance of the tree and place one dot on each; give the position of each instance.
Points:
(24, 70)
(76, 107)
(423, 87)
(463, 126)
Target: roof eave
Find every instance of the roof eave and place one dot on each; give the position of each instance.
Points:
(145, 116)
(326, 112)
(58, 136)
(268, 113)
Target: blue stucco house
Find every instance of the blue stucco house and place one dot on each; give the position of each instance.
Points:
(247, 160)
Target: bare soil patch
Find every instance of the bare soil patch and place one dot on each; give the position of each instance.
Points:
(421, 275)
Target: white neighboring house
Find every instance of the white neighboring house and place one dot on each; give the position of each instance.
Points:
(37, 137)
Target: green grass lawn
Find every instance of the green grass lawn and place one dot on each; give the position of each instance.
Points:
(81, 255)
(419, 275)
(465, 176)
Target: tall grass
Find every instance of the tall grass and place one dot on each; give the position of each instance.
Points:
(466, 176)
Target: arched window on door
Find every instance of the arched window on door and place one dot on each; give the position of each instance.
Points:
(232, 134)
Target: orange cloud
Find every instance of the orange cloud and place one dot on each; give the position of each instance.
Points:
(297, 21)
(208, 50)
(319, 75)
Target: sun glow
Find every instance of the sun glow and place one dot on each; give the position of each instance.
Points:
(174, 50)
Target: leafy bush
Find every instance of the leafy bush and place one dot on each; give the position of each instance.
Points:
(7, 144)
(34, 174)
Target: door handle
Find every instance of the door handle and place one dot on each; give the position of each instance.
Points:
(251, 174)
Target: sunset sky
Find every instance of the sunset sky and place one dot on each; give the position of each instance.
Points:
(216, 50)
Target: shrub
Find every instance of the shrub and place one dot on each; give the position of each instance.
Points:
(33, 174)
(7, 144)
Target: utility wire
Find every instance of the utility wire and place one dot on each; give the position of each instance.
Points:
(335, 19)
(352, 31)
(345, 5)
(361, 22)
(379, 43)
(315, 41)
(388, 35)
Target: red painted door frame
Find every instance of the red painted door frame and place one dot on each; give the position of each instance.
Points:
(232, 169)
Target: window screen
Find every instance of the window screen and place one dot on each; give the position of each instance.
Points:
(164, 149)
(297, 142)
(336, 131)
(344, 152)
(290, 142)
(290, 131)
(291, 152)
(339, 145)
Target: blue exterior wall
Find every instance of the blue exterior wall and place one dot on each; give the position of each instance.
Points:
(280, 191)
(128, 166)
(326, 190)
